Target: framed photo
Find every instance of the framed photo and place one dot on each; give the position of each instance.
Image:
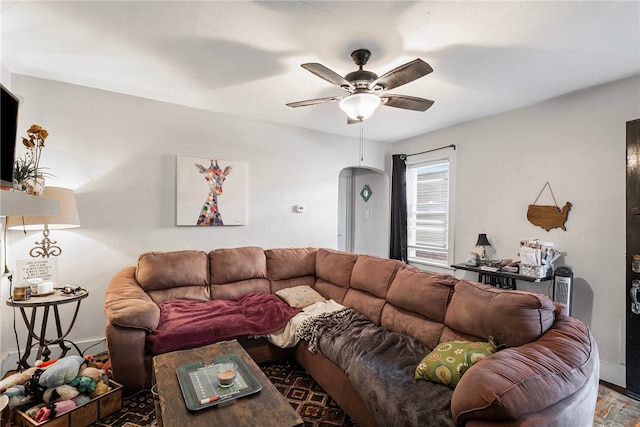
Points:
(210, 192)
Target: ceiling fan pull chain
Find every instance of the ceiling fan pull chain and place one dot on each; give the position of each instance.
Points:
(361, 142)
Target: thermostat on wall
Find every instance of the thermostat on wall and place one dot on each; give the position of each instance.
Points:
(300, 208)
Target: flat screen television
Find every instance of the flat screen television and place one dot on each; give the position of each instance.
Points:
(8, 133)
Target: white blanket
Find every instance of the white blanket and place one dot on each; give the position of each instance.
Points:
(287, 337)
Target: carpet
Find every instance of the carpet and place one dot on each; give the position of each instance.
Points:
(310, 401)
(616, 410)
(317, 409)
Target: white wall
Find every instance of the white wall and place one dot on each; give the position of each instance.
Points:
(119, 153)
(371, 218)
(577, 143)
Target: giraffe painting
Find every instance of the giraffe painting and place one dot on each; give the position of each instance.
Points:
(215, 176)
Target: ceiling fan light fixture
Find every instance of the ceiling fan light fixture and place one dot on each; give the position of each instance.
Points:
(360, 106)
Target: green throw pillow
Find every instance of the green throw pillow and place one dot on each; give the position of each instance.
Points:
(449, 360)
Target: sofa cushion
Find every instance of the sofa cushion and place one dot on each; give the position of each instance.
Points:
(373, 275)
(238, 264)
(229, 290)
(450, 360)
(422, 292)
(365, 303)
(300, 296)
(335, 267)
(526, 380)
(288, 263)
(127, 305)
(164, 270)
(513, 318)
(381, 366)
(333, 271)
(425, 330)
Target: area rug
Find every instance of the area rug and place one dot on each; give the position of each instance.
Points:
(310, 401)
(317, 409)
(616, 410)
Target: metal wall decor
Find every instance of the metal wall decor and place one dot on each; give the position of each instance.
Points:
(366, 193)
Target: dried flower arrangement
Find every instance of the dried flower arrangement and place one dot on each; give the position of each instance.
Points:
(28, 168)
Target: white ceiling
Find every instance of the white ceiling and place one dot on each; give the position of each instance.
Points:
(244, 57)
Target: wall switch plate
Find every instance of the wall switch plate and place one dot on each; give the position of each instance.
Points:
(300, 208)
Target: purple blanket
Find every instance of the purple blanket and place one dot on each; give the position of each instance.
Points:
(191, 323)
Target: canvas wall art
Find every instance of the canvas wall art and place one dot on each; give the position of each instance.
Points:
(210, 192)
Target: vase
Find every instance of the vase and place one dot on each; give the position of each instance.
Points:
(35, 186)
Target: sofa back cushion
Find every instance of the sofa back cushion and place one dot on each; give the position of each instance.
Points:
(373, 275)
(291, 267)
(333, 271)
(512, 318)
(166, 270)
(417, 303)
(237, 264)
(370, 279)
(422, 292)
(238, 271)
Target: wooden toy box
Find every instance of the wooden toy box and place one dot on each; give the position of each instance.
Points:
(81, 416)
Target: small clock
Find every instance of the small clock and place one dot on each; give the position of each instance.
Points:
(365, 193)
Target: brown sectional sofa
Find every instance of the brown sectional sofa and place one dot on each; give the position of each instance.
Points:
(547, 375)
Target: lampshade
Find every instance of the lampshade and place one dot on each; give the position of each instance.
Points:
(67, 218)
(359, 106)
(482, 240)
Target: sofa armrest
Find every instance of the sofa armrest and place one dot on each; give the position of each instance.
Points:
(527, 379)
(127, 305)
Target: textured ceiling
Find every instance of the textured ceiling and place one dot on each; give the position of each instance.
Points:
(244, 57)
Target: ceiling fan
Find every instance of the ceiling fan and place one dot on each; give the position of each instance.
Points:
(367, 90)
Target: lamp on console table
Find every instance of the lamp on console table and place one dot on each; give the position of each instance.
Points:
(67, 218)
(483, 242)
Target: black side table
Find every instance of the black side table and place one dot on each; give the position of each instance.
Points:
(46, 302)
(499, 279)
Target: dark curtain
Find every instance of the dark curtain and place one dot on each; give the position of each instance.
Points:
(398, 249)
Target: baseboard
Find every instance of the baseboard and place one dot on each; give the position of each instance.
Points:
(613, 373)
(10, 360)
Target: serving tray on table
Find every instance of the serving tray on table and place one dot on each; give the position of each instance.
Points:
(200, 387)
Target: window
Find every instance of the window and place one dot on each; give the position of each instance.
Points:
(429, 213)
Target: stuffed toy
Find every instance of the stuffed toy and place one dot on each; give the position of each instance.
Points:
(61, 372)
(60, 393)
(64, 406)
(81, 399)
(88, 371)
(31, 412)
(83, 384)
(101, 388)
(17, 378)
(16, 396)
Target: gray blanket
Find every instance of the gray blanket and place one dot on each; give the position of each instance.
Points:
(381, 365)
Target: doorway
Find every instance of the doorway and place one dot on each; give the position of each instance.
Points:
(632, 264)
(363, 221)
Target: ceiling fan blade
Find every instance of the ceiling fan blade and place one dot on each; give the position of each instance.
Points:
(314, 101)
(328, 75)
(402, 75)
(406, 102)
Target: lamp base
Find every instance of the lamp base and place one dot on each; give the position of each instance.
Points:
(46, 247)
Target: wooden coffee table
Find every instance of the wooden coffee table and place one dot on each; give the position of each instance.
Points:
(265, 408)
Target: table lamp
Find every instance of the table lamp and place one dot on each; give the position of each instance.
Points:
(67, 218)
(483, 242)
